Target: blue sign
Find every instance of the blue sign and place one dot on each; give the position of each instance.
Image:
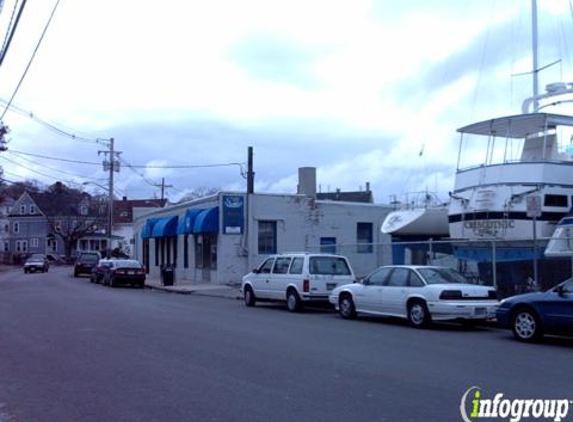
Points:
(233, 214)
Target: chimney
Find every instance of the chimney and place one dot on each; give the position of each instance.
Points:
(367, 186)
(307, 181)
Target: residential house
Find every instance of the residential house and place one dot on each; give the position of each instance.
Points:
(125, 211)
(6, 205)
(52, 223)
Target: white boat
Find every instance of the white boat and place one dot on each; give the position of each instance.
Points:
(514, 177)
(561, 243)
(420, 221)
(514, 196)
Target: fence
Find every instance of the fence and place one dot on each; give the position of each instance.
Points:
(511, 266)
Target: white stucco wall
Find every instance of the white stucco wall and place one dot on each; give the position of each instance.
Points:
(301, 222)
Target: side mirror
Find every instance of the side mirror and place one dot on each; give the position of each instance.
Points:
(255, 271)
(560, 291)
(365, 281)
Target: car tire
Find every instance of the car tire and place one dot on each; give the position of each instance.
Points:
(75, 274)
(526, 326)
(249, 297)
(294, 304)
(25, 271)
(418, 314)
(346, 307)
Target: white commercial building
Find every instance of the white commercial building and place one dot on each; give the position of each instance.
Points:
(220, 238)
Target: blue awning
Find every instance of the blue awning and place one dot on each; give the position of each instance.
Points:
(186, 224)
(166, 226)
(148, 228)
(207, 221)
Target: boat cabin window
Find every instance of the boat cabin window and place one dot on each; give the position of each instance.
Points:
(555, 201)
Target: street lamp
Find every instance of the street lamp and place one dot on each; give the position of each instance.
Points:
(109, 228)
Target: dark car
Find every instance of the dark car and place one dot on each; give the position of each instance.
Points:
(532, 315)
(125, 271)
(100, 270)
(36, 262)
(85, 262)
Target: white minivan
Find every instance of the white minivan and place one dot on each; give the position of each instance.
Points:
(296, 278)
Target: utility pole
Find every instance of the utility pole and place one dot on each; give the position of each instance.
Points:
(163, 186)
(112, 165)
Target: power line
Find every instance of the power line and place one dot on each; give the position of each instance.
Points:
(31, 58)
(11, 31)
(28, 168)
(92, 163)
(45, 166)
(49, 125)
(134, 166)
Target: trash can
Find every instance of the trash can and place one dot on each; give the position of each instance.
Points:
(168, 275)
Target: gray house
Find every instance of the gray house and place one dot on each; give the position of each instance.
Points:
(53, 223)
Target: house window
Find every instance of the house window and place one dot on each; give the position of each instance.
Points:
(21, 246)
(16, 228)
(364, 237)
(7, 228)
(6, 246)
(34, 242)
(22, 209)
(267, 237)
(328, 244)
(199, 251)
(32, 209)
(84, 210)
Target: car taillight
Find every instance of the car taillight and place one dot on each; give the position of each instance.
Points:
(451, 295)
(306, 286)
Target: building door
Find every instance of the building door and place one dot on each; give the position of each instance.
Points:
(146, 255)
(206, 277)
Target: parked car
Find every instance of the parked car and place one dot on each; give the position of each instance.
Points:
(85, 263)
(124, 271)
(421, 294)
(296, 278)
(100, 270)
(36, 262)
(531, 315)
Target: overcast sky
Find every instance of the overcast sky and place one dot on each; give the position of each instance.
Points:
(366, 91)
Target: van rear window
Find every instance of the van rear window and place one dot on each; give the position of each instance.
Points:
(327, 265)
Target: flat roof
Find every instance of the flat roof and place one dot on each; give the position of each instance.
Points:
(518, 126)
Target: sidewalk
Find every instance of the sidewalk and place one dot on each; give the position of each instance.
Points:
(202, 289)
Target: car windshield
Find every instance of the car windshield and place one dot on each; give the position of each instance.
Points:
(328, 265)
(89, 258)
(441, 276)
(36, 257)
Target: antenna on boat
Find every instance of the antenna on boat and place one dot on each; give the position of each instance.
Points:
(535, 71)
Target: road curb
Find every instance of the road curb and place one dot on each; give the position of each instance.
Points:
(169, 289)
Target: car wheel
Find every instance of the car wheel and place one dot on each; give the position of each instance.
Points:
(249, 297)
(25, 271)
(75, 273)
(526, 326)
(346, 307)
(294, 303)
(418, 314)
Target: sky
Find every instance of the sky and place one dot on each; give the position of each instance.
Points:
(363, 90)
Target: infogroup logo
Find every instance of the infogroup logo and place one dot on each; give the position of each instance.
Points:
(474, 406)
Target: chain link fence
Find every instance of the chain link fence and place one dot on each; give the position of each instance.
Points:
(512, 267)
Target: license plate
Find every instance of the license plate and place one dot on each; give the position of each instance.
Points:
(131, 272)
(480, 311)
(330, 286)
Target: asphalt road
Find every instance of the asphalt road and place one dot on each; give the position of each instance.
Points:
(74, 351)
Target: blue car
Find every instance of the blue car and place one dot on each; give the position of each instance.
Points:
(531, 315)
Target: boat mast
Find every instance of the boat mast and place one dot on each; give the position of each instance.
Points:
(535, 60)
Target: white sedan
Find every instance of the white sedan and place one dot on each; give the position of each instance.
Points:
(421, 294)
